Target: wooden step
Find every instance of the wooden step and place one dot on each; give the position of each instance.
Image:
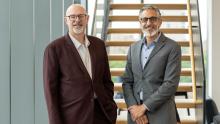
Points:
(120, 71)
(183, 121)
(160, 6)
(123, 57)
(135, 18)
(137, 30)
(180, 103)
(128, 43)
(183, 87)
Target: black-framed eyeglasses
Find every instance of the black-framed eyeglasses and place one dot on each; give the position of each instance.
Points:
(74, 17)
(151, 19)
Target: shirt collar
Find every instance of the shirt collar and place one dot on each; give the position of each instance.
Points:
(79, 44)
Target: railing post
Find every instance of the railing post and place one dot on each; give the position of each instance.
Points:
(105, 19)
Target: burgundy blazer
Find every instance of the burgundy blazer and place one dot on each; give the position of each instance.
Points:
(68, 88)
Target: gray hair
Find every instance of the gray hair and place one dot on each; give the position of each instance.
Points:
(150, 7)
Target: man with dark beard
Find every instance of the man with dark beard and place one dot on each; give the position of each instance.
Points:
(77, 80)
(152, 73)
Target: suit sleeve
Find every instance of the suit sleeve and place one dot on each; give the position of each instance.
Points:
(51, 80)
(109, 85)
(171, 81)
(128, 82)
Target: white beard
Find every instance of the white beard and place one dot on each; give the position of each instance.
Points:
(150, 34)
(78, 29)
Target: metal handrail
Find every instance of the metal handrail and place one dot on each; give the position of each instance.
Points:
(94, 18)
(203, 64)
(105, 20)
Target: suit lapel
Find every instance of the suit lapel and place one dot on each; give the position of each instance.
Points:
(93, 57)
(75, 54)
(138, 56)
(158, 45)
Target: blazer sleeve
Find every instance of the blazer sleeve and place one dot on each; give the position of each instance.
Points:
(51, 81)
(128, 82)
(171, 81)
(108, 84)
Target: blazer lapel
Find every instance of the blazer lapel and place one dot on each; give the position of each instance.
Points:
(159, 44)
(93, 58)
(137, 56)
(76, 55)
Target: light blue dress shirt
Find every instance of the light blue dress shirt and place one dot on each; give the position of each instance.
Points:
(146, 50)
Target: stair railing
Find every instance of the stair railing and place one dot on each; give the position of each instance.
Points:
(105, 20)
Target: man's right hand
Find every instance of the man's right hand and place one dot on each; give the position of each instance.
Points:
(142, 120)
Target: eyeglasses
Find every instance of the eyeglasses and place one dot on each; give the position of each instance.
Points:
(151, 19)
(74, 17)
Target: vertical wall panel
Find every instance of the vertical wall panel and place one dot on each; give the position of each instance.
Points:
(5, 62)
(22, 64)
(42, 38)
(214, 50)
(57, 17)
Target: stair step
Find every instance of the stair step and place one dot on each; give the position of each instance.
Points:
(123, 57)
(128, 43)
(183, 87)
(120, 71)
(160, 6)
(135, 18)
(137, 30)
(180, 103)
(183, 121)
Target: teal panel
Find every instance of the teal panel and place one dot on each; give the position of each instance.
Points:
(57, 18)
(5, 62)
(42, 38)
(22, 62)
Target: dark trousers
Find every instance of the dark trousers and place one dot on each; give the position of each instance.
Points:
(99, 116)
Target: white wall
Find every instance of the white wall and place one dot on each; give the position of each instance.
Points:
(214, 50)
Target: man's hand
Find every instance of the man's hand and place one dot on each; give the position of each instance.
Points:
(142, 120)
(136, 111)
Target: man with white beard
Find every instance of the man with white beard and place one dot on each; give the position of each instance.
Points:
(77, 80)
(152, 73)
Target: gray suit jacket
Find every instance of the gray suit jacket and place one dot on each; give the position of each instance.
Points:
(159, 80)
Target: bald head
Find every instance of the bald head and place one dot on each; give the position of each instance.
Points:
(76, 8)
(76, 20)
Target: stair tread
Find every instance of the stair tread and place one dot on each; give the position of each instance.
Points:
(160, 6)
(128, 43)
(138, 30)
(135, 18)
(183, 87)
(180, 103)
(120, 71)
(183, 121)
(123, 57)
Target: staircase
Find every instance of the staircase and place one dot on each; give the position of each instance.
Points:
(123, 30)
